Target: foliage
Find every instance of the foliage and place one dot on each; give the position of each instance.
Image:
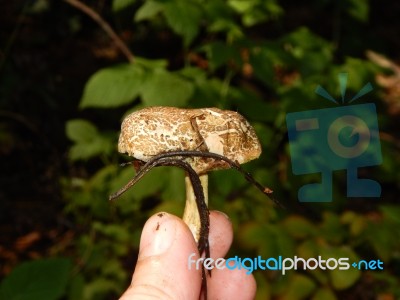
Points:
(41, 279)
(225, 61)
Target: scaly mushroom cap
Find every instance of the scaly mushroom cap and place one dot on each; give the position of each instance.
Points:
(155, 130)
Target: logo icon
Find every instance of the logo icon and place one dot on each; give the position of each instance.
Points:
(339, 138)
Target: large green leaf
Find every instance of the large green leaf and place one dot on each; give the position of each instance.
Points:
(166, 88)
(112, 87)
(44, 279)
(184, 18)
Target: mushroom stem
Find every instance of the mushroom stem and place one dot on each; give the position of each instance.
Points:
(192, 214)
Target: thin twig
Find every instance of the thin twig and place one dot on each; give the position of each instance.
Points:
(384, 136)
(14, 34)
(105, 26)
(154, 161)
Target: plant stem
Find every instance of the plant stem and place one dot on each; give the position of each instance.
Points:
(105, 26)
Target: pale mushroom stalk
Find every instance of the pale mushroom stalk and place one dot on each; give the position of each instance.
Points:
(191, 215)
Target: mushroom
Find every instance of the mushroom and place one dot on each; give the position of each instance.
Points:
(196, 140)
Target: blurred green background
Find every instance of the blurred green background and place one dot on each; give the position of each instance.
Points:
(66, 86)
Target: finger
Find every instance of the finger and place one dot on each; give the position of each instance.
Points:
(226, 283)
(162, 268)
(231, 284)
(221, 234)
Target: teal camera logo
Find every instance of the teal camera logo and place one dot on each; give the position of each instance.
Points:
(339, 138)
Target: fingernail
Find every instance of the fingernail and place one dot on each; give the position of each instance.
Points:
(157, 236)
(224, 214)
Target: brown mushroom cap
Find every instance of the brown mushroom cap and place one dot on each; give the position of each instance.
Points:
(155, 130)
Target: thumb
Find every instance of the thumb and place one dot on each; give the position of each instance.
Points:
(162, 270)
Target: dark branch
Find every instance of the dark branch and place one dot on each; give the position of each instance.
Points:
(265, 190)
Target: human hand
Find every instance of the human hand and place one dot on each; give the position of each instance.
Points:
(162, 270)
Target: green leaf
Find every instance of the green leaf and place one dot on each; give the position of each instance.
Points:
(151, 64)
(88, 141)
(252, 12)
(298, 227)
(75, 287)
(331, 229)
(219, 53)
(118, 5)
(311, 53)
(241, 6)
(232, 30)
(209, 90)
(184, 18)
(196, 74)
(357, 223)
(81, 131)
(175, 186)
(341, 279)
(113, 268)
(358, 9)
(115, 231)
(324, 294)
(383, 239)
(218, 9)
(259, 110)
(44, 279)
(284, 243)
(99, 287)
(112, 87)
(171, 206)
(103, 177)
(300, 287)
(85, 151)
(307, 249)
(148, 10)
(391, 213)
(264, 289)
(250, 233)
(166, 88)
(264, 58)
(254, 17)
